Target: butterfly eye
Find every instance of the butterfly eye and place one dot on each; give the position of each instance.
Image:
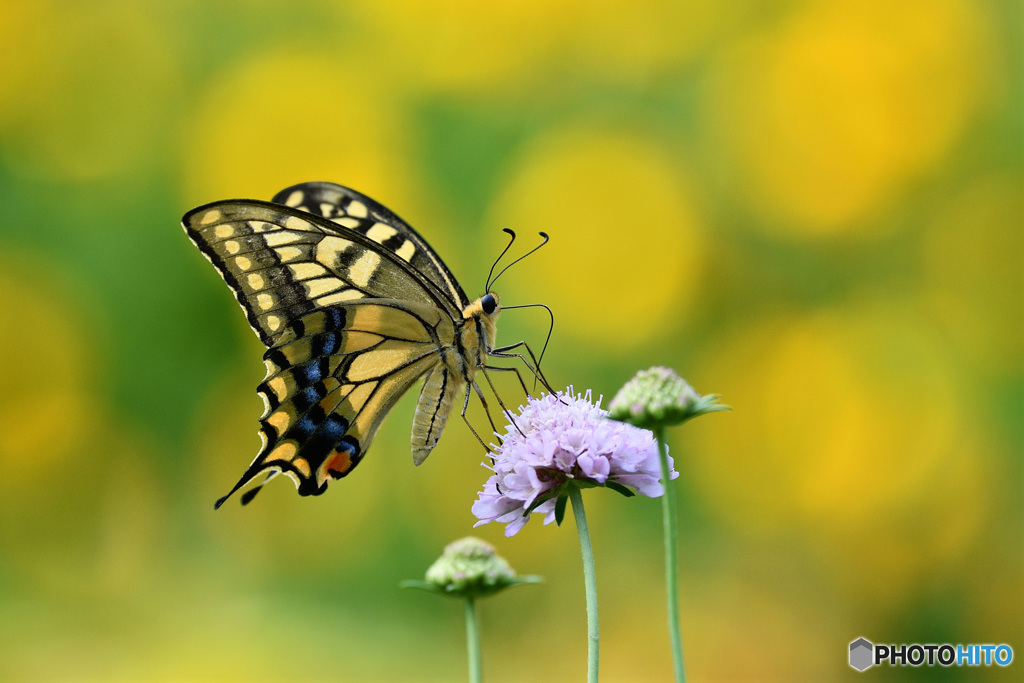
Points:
(488, 303)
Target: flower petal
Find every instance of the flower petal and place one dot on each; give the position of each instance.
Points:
(559, 439)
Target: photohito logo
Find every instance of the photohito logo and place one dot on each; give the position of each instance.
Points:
(865, 654)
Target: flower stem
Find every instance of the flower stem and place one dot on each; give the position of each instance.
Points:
(589, 582)
(668, 514)
(472, 640)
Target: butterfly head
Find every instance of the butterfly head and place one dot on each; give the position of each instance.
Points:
(485, 312)
(489, 303)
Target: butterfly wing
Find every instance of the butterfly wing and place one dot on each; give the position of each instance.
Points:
(282, 263)
(356, 211)
(331, 380)
(349, 327)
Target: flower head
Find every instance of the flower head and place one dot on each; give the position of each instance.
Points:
(469, 567)
(657, 397)
(564, 440)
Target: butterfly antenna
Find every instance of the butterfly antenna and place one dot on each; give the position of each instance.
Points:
(487, 287)
(551, 327)
(546, 238)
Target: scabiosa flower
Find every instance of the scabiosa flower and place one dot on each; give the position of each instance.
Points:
(564, 440)
(657, 397)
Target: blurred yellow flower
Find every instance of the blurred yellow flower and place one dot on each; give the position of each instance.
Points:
(64, 455)
(626, 249)
(48, 365)
(87, 89)
(849, 426)
(635, 41)
(454, 43)
(292, 115)
(22, 49)
(481, 47)
(974, 271)
(835, 112)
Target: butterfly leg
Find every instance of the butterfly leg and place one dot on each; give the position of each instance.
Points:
(498, 368)
(487, 408)
(465, 407)
(503, 352)
(504, 410)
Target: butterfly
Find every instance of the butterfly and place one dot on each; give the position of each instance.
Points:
(354, 307)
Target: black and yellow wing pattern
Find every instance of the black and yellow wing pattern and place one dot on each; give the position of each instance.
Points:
(354, 307)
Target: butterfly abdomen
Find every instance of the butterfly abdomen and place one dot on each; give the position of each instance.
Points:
(474, 338)
(440, 388)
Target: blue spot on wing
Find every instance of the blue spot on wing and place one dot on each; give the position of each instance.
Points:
(302, 429)
(310, 372)
(322, 441)
(326, 344)
(306, 398)
(335, 426)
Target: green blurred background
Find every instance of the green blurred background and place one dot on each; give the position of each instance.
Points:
(812, 208)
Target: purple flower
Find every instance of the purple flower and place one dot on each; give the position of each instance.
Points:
(559, 441)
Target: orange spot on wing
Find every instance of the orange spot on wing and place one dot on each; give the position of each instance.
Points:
(339, 464)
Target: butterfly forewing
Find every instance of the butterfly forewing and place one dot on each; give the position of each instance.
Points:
(358, 212)
(282, 263)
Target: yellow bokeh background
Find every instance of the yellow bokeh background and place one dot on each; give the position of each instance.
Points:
(813, 208)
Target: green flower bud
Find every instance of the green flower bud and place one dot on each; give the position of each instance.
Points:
(469, 567)
(659, 397)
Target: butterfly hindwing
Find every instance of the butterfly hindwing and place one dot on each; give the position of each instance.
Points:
(356, 211)
(330, 381)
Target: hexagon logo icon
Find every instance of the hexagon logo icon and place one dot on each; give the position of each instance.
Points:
(862, 653)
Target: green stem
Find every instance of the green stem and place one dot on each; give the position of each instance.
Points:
(589, 581)
(668, 515)
(472, 640)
